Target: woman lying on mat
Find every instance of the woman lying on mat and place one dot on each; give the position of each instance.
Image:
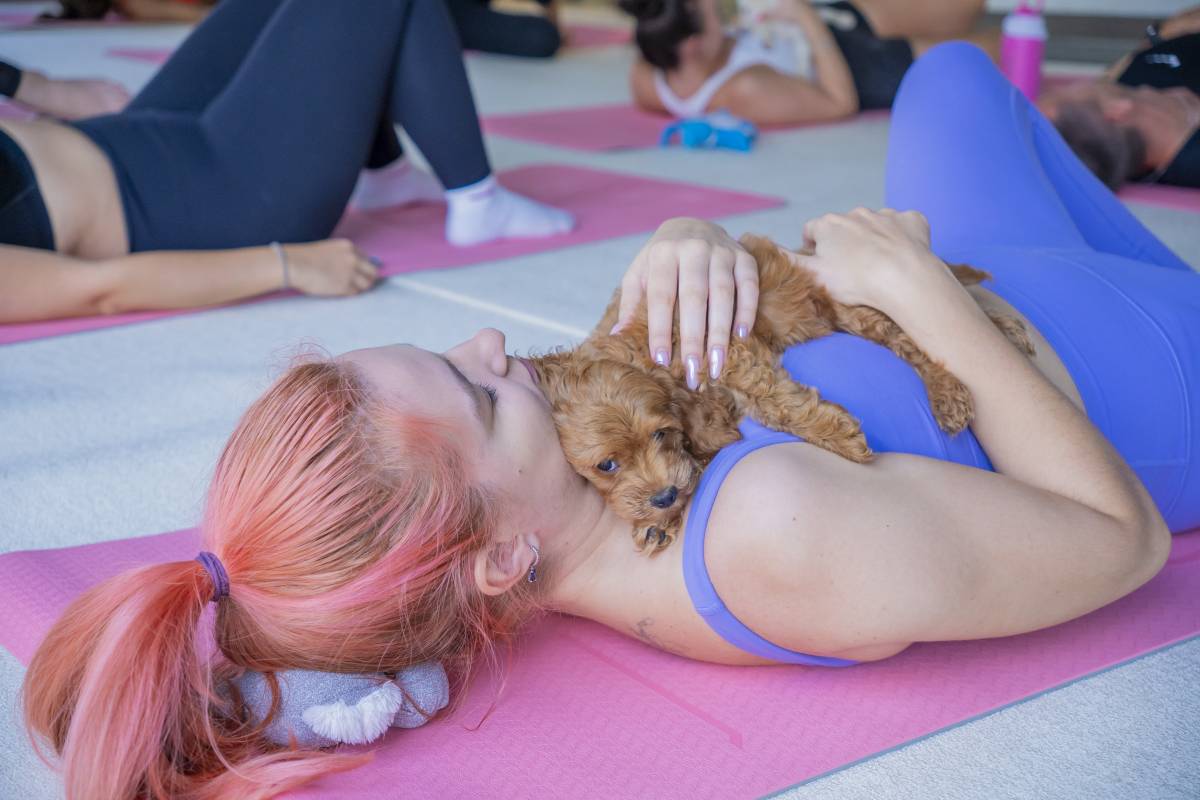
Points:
(393, 506)
(807, 63)
(1141, 120)
(242, 139)
(136, 10)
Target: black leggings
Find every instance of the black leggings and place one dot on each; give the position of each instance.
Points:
(490, 31)
(258, 126)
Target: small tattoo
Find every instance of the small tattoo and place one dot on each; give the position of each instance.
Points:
(643, 632)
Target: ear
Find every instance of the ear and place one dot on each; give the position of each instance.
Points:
(502, 563)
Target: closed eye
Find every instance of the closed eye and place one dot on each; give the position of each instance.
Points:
(490, 391)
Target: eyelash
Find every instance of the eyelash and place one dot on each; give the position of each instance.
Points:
(491, 391)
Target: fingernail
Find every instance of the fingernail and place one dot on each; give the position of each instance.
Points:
(615, 328)
(742, 331)
(661, 357)
(693, 372)
(716, 361)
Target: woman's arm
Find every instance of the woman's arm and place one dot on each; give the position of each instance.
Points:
(641, 82)
(69, 98)
(911, 549)
(163, 10)
(37, 285)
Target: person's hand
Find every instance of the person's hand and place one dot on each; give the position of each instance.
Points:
(70, 99)
(865, 257)
(1183, 23)
(330, 268)
(715, 282)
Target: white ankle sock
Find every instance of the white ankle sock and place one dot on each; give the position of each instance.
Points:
(486, 210)
(398, 184)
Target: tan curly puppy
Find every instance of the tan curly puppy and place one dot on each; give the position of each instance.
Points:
(642, 438)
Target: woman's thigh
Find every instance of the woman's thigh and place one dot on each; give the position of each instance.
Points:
(971, 153)
(1127, 332)
(933, 19)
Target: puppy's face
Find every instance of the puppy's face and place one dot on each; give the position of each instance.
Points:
(622, 429)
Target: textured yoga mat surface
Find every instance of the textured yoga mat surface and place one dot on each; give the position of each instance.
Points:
(598, 129)
(590, 713)
(606, 205)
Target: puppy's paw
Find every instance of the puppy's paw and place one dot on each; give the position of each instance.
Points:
(653, 539)
(1015, 331)
(851, 445)
(952, 406)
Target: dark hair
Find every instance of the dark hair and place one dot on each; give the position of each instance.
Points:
(1114, 153)
(81, 9)
(661, 26)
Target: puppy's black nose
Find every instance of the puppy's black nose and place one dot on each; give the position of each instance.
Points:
(665, 498)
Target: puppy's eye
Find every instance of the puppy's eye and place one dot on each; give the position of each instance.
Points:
(607, 465)
(660, 434)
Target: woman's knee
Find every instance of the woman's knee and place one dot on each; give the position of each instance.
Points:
(951, 75)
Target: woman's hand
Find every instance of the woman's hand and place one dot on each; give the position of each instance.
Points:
(70, 99)
(714, 280)
(330, 268)
(868, 257)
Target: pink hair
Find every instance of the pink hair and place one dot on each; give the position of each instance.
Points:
(349, 531)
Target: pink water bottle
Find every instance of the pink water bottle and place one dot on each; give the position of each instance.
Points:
(1022, 46)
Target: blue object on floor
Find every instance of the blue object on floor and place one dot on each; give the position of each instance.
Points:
(718, 130)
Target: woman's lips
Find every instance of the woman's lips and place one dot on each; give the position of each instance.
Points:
(529, 368)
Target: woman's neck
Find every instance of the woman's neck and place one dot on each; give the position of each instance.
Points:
(578, 556)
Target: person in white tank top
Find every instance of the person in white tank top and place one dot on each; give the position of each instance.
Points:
(797, 63)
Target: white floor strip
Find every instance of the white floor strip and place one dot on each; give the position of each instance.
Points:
(493, 308)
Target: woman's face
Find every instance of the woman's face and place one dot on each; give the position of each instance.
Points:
(505, 431)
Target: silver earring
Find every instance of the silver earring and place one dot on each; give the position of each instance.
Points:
(533, 576)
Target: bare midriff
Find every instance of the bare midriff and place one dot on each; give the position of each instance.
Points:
(78, 186)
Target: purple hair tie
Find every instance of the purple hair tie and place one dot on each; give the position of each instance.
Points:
(216, 572)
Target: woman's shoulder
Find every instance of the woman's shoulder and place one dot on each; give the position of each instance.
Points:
(774, 527)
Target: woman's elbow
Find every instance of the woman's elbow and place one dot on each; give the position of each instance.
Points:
(1148, 549)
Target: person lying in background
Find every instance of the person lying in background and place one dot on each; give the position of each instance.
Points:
(1140, 121)
(482, 28)
(60, 98)
(135, 10)
(805, 63)
(227, 174)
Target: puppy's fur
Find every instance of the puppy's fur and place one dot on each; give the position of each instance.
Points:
(642, 438)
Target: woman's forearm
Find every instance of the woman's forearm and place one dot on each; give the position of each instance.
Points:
(1030, 430)
(831, 73)
(168, 279)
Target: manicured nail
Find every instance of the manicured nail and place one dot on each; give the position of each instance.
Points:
(693, 372)
(614, 330)
(661, 357)
(742, 331)
(716, 361)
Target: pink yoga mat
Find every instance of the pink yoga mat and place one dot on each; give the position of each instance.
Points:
(598, 129)
(606, 204)
(582, 36)
(590, 713)
(150, 55)
(1162, 196)
(13, 111)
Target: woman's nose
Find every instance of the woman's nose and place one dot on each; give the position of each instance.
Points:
(488, 344)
